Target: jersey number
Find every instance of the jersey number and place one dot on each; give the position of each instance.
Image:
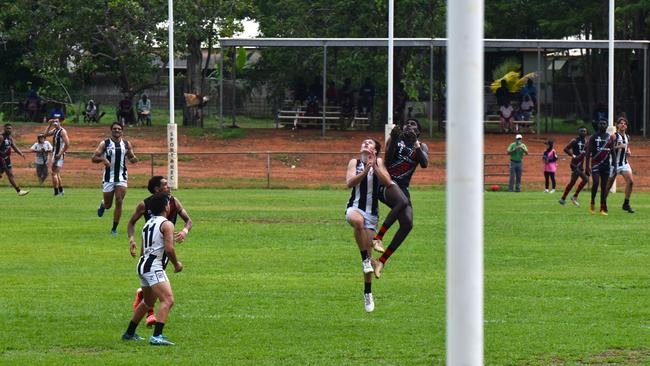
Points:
(147, 235)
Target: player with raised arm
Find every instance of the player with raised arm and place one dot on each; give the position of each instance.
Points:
(576, 150)
(60, 143)
(157, 184)
(404, 153)
(113, 153)
(364, 175)
(6, 145)
(620, 165)
(156, 250)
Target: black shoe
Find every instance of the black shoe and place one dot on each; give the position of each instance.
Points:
(628, 208)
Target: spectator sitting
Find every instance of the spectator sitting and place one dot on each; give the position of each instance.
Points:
(506, 114)
(125, 111)
(91, 113)
(526, 109)
(144, 110)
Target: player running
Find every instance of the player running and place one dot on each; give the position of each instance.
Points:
(620, 164)
(157, 184)
(6, 145)
(576, 150)
(156, 250)
(113, 153)
(404, 152)
(598, 154)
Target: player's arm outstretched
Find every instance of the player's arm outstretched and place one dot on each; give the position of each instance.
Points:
(17, 150)
(167, 229)
(181, 235)
(130, 228)
(98, 155)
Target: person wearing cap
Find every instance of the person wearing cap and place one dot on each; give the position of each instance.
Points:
(42, 149)
(61, 144)
(516, 151)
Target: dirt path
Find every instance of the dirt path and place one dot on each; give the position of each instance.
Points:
(295, 164)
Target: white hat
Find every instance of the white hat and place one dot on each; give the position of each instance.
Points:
(518, 137)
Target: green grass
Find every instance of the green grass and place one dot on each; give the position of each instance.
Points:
(272, 277)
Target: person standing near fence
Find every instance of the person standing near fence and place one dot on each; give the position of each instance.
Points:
(516, 151)
(550, 166)
(113, 153)
(6, 145)
(42, 148)
(61, 143)
(598, 163)
(576, 149)
(620, 165)
(364, 175)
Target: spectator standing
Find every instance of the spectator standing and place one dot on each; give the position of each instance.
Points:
(42, 148)
(550, 166)
(125, 111)
(503, 94)
(516, 151)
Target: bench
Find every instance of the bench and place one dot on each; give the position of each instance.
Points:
(333, 119)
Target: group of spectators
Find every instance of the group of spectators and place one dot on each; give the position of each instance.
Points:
(522, 111)
(126, 115)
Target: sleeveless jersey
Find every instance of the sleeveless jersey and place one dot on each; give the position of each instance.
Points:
(364, 195)
(620, 155)
(600, 147)
(57, 141)
(116, 155)
(5, 146)
(173, 209)
(402, 168)
(153, 246)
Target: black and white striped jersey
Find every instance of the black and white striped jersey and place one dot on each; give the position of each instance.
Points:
(153, 246)
(57, 141)
(115, 153)
(619, 156)
(364, 195)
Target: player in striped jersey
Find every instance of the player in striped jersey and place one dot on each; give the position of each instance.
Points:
(60, 143)
(6, 145)
(113, 153)
(156, 250)
(620, 164)
(157, 184)
(364, 176)
(597, 162)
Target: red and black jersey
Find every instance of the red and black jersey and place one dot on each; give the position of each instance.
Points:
(402, 167)
(173, 209)
(600, 146)
(578, 146)
(5, 146)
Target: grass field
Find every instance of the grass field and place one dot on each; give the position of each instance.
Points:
(272, 277)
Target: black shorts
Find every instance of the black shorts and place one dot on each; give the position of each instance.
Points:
(382, 194)
(578, 169)
(5, 164)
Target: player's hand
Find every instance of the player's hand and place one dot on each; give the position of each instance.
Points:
(395, 132)
(178, 267)
(180, 236)
(107, 163)
(132, 248)
(57, 157)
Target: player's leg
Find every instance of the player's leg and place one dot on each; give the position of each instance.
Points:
(139, 296)
(405, 225)
(368, 299)
(394, 198)
(148, 299)
(56, 166)
(629, 184)
(358, 222)
(120, 192)
(569, 186)
(604, 179)
(518, 170)
(12, 180)
(595, 175)
(108, 191)
(55, 180)
(163, 292)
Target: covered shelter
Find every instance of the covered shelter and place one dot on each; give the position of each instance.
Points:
(541, 45)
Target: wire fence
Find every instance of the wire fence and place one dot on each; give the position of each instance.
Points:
(291, 169)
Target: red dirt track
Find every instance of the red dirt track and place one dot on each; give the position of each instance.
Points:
(301, 158)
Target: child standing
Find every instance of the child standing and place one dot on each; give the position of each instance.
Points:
(42, 149)
(550, 166)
